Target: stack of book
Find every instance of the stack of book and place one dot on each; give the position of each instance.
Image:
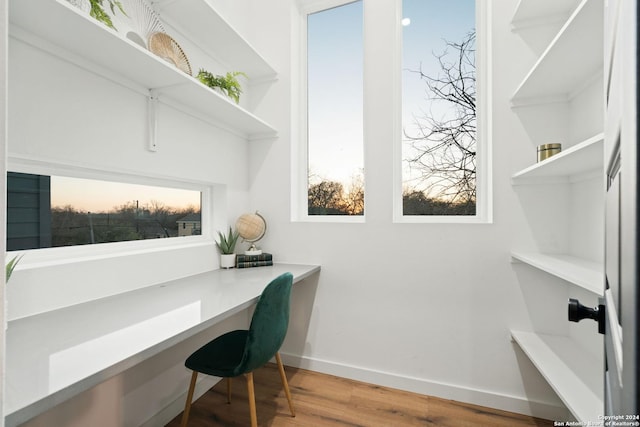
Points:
(246, 261)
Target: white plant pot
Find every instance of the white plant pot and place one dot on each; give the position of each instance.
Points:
(227, 260)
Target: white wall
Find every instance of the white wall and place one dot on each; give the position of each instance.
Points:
(423, 307)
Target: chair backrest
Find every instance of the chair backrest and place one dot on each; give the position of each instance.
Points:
(268, 325)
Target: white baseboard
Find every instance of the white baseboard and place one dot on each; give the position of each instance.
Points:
(458, 393)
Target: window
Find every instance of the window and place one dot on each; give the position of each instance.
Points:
(335, 159)
(53, 211)
(441, 154)
(441, 163)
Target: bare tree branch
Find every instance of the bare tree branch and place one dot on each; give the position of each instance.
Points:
(444, 147)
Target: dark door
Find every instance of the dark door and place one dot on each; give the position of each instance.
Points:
(621, 229)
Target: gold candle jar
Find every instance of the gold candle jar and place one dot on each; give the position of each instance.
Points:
(547, 150)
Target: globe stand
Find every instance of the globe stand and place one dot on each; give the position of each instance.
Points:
(253, 250)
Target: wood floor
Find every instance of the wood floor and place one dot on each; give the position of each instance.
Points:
(324, 400)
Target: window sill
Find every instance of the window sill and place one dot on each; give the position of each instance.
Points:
(355, 219)
(48, 257)
(441, 219)
(76, 275)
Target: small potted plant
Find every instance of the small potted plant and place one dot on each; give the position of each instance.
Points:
(227, 84)
(227, 245)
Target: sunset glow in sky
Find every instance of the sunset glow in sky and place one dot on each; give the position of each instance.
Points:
(102, 196)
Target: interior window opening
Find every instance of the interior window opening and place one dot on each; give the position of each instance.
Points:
(55, 211)
(335, 141)
(439, 99)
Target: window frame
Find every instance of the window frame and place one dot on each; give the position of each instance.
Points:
(484, 193)
(211, 194)
(300, 148)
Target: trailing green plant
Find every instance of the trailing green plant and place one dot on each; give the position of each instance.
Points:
(228, 83)
(98, 12)
(227, 244)
(10, 266)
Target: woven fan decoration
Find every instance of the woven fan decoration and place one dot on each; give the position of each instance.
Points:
(143, 21)
(168, 49)
(137, 23)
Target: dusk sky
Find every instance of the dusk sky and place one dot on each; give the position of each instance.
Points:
(335, 92)
(335, 73)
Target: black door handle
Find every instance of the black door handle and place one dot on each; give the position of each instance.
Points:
(577, 312)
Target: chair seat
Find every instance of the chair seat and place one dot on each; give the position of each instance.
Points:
(221, 356)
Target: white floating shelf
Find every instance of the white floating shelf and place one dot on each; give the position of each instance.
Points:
(200, 23)
(572, 60)
(584, 273)
(579, 159)
(64, 25)
(572, 373)
(538, 12)
(59, 23)
(200, 98)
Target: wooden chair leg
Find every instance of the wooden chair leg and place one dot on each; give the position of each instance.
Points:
(187, 405)
(285, 384)
(228, 389)
(252, 400)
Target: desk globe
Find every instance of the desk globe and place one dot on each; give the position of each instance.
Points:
(251, 227)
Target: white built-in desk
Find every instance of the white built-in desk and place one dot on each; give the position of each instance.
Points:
(53, 356)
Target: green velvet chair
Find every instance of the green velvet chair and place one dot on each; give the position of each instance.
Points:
(240, 352)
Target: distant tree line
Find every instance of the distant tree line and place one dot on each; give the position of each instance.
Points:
(415, 202)
(70, 227)
(331, 198)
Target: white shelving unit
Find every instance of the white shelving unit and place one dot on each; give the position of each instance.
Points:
(569, 66)
(127, 60)
(529, 14)
(568, 63)
(583, 158)
(567, 368)
(587, 274)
